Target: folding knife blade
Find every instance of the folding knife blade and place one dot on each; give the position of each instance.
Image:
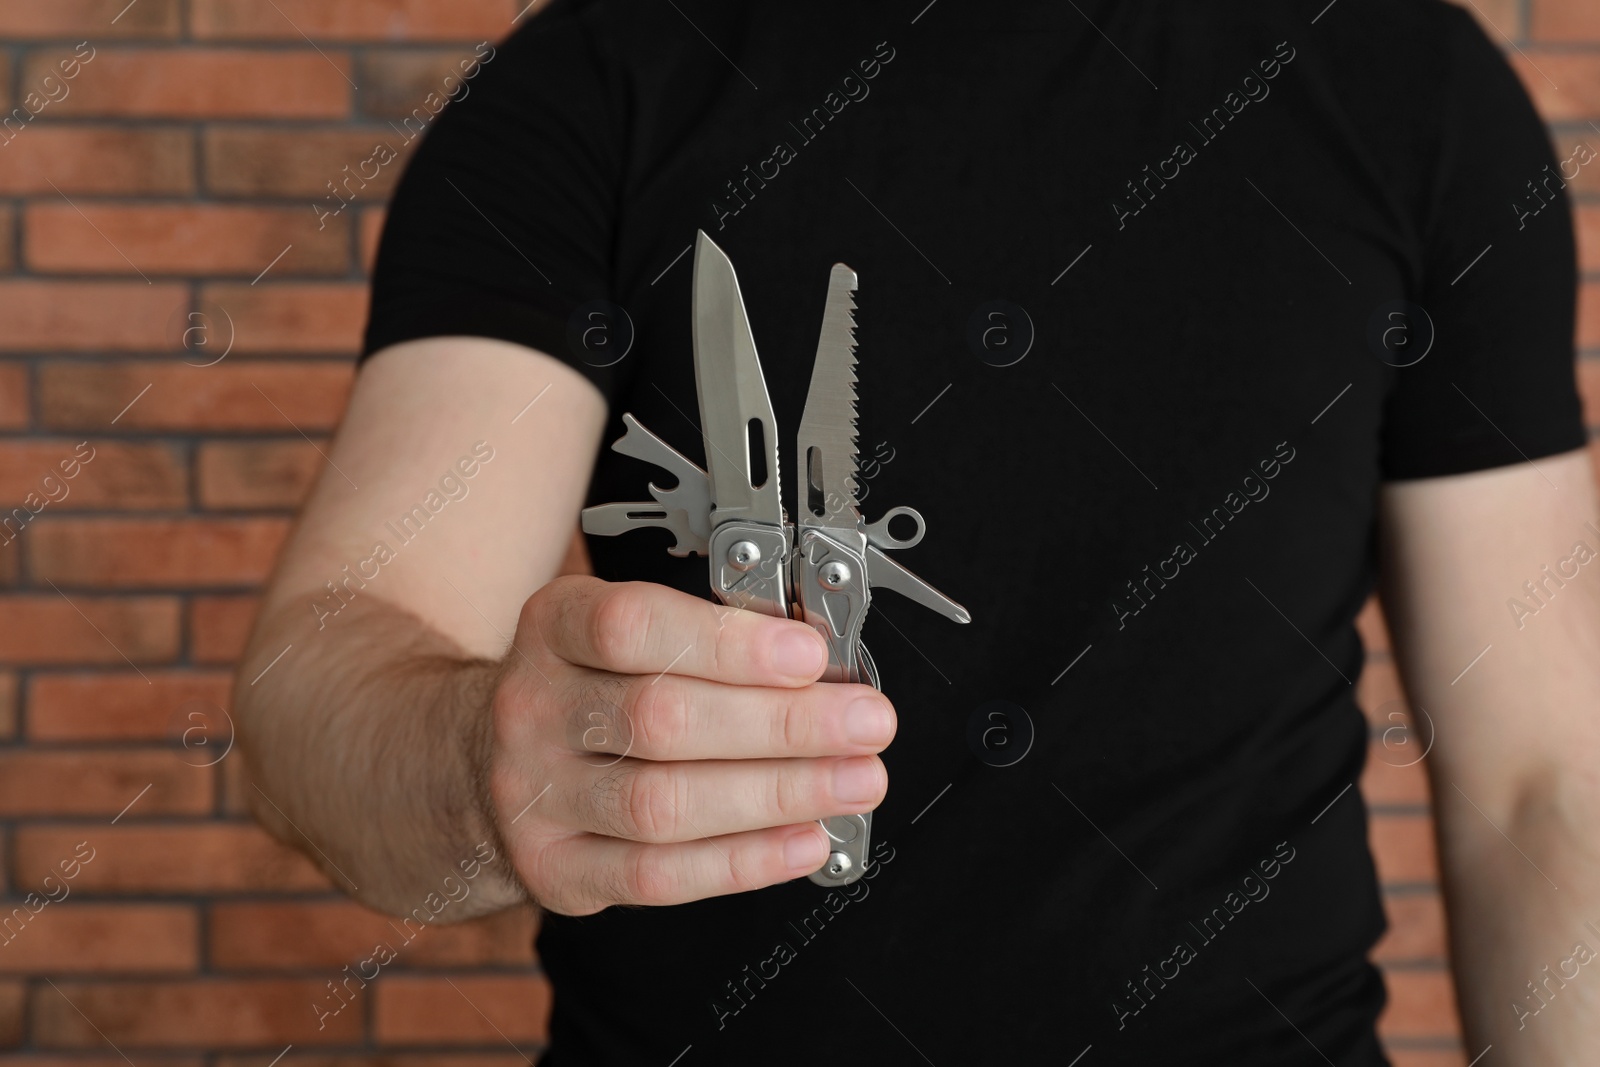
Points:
(733, 394)
(826, 449)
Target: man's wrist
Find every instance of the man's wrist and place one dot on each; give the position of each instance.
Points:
(477, 684)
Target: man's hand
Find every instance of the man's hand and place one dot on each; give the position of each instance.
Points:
(626, 743)
(651, 747)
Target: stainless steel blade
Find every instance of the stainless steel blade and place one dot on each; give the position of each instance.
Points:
(826, 451)
(733, 394)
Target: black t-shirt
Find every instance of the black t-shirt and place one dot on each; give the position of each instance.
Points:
(1136, 281)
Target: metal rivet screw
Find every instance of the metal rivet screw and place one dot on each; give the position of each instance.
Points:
(742, 555)
(834, 575)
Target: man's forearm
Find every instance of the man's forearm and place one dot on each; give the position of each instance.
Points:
(370, 740)
(1525, 930)
(1506, 712)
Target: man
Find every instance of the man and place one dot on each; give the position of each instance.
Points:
(1170, 319)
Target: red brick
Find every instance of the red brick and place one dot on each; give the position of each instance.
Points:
(200, 1013)
(294, 318)
(219, 627)
(45, 629)
(1421, 1057)
(1589, 314)
(1586, 185)
(149, 553)
(207, 858)
(8, 705)
(1499, 18)
(1379, 692)
(1416, 929)
(202, 83)
(353, 20)
(1565, 20)
(8, 223)
(10, 561)
(1421, 1004)
(299, 163)
(1587, 221)
(182, 239)
(123, 706)
(109, 1060)
(238, 789)
(78, 316)
(1565, 87)
(13, 396)
(10, 564)
(394, 83)
(1373, 627)
(71, 938)
(13, 1000)
(92, 160)
(379, 1059)
(46, 88)
(1589, 389)
(268, 936)
(121, 476)
(79, 18)
(1404, 848)
(1395, 771)
(8, 709)
(236, 397)
(258, 474)
(102, 783)
(418, 1010)
(371, 232)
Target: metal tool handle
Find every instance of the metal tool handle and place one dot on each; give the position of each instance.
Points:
(749, 567)
(832, 593)
(849, 836)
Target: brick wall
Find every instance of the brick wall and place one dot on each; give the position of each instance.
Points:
(174, 181)
(176, 177)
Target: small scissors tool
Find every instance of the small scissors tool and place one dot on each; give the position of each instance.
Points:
(820, 569)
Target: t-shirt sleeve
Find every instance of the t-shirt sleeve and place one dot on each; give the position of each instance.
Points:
(1499, 282)
(501, 225)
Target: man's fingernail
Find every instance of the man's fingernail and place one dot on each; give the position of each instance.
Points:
(798, 654)
(868, 721)
(857, 779)
(804, 851)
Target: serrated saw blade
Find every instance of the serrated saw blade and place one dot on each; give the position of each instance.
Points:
(827, 441)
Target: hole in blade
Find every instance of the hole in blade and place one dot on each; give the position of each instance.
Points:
(757, 454)
(815, 501)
